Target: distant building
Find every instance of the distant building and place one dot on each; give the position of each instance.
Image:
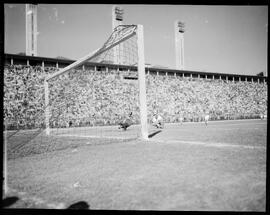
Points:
(62, 58)
(261, 74)
(107, 61)
(160, 67)
(21, 53)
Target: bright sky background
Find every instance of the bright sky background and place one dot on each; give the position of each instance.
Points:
(222, 39)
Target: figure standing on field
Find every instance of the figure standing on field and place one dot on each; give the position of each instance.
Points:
(206, 118)
(157, 121)
(181, 118)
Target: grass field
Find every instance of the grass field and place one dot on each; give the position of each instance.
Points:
(219, 167)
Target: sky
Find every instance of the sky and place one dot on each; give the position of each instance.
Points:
(220, 39)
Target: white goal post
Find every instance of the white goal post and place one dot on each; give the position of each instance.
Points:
(120, 34)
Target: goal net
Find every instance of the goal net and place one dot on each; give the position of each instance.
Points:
(87, 99)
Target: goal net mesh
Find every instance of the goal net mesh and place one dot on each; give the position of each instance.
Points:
(84, 102)
(90, 100)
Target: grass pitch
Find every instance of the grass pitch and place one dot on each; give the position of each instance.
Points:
(220, 167)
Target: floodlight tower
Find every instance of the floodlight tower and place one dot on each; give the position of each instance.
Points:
(31, 29)
(117, 19)
(179, 44)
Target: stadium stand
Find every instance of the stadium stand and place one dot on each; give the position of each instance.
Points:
(170, 96)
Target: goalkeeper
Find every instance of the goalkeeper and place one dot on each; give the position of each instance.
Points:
(126, 123)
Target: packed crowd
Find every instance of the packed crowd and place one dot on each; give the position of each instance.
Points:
(192, 99)
(81, 98)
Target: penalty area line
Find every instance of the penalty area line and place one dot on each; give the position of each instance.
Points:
(213, 144)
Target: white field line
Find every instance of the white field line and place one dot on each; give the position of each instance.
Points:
(216, 128)
(214, 144)
(219, 121)
(242, 124)
(211, 126)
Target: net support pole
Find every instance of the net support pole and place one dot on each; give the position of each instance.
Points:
(142, 87)
(47, 110)
(5, 184)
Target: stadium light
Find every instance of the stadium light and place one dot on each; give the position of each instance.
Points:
(119, 13)
(179, 29)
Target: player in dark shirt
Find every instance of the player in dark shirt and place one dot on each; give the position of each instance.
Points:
(126, 123)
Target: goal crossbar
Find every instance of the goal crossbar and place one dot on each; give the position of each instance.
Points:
(107, 45)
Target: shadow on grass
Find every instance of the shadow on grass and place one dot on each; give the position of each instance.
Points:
(154, 133)
(82, 205)
(9, 201)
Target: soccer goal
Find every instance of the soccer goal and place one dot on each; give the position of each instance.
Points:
(86, 94)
